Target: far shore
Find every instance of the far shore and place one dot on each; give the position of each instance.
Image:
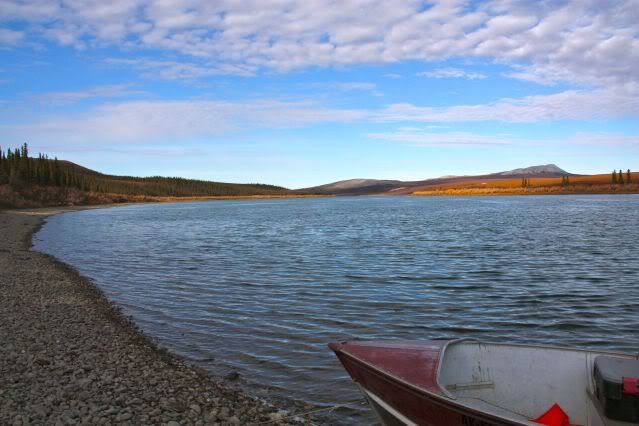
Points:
(142, 199)
(232, 197)
(542, 190)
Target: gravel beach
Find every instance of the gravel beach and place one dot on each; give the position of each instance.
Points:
(67, 356)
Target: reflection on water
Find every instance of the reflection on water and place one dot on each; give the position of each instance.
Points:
(261, 287)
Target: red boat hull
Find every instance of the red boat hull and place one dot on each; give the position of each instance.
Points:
(403, 379)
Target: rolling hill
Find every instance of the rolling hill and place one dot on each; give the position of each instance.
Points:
(374, 186)
(39, 181)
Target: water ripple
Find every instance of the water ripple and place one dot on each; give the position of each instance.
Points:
(261, 287)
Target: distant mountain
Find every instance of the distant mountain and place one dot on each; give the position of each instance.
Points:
(375, 186)
(546, 170)
(356, 186)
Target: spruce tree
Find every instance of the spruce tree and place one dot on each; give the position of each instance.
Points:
(628, 177)
(614, 176)
(620, 178)
(3, 171)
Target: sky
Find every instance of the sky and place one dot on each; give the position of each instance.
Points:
(302, 93)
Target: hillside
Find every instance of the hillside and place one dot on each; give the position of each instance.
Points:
(39, 181)
(374, 186)
(357, 187)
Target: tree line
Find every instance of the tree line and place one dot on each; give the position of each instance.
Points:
(18, 168)
(525, 182)
(617, 178)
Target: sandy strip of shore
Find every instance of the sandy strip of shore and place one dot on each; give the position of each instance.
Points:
(67, 355)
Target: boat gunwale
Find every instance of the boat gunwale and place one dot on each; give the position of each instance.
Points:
(440, 360)
(386, 406)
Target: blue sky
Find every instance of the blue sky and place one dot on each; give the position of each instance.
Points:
(305, 93)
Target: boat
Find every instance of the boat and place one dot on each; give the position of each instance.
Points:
(467, 382)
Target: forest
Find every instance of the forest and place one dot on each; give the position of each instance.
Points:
(18, 170)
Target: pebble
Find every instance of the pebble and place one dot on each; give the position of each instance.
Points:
(232, 376)
(124, 416)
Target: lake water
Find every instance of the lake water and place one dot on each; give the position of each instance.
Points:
(260, 287)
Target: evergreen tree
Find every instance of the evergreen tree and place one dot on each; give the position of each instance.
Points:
(4, 175)
(614, 177)
(628, 177)
(620, 177)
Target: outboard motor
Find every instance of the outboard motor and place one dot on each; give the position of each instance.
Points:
(617, 387)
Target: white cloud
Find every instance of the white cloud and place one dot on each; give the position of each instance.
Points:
(452, 73)
(10, 37)
(604, 139)
(579, 41)
(355, 85)
(175, 70)
(421, 137)
(600, 104)
(418, 136)
(106, 91)
(161, 121)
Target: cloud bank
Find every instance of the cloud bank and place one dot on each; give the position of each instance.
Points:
(163, 121)
(583, 41)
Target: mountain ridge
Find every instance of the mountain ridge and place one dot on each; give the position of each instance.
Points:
(363, 186)
(535, 170)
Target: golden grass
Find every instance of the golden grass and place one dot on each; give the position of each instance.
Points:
(590, 184)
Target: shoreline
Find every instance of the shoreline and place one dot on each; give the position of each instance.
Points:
(496, 191)
(70, 356)
(39, 199)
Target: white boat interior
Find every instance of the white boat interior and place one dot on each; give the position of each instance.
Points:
(520, 382)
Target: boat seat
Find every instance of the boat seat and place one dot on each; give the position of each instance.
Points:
(471, 385)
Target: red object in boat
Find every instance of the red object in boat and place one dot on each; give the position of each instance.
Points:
(555, 416)
(631, 386)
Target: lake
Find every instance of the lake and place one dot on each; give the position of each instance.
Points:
(260, 287)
